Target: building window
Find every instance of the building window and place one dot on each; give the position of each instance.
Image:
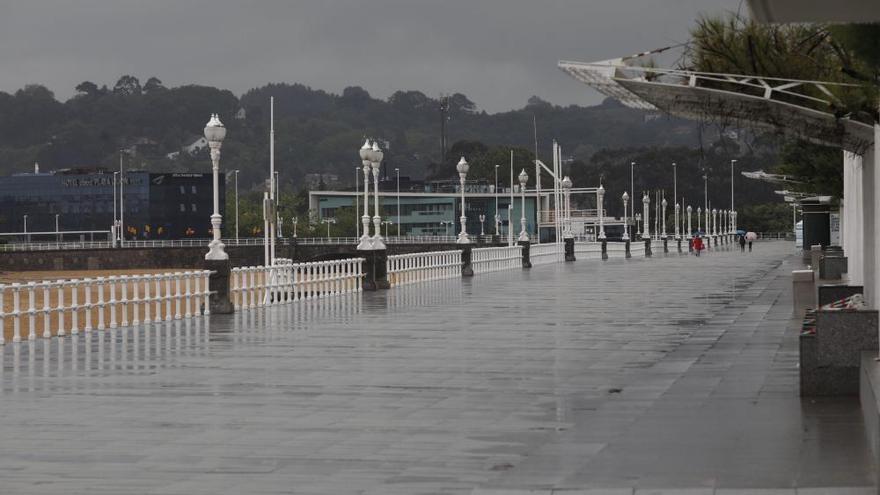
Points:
(182, 190)
(193, 206)
(194, 191)
(182, 207)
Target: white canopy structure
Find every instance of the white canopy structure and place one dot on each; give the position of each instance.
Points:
(803, 109)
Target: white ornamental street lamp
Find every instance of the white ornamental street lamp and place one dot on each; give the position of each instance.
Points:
(625, 198)
(214, 133)
(366, 152)
(376, 156)
(463, 168)
(677, 210)
(714, 221)
(566, 191)
(663, 206)
(638, 224)
(646, 215)
(699, 216)
(523, 178)
(497, 221)
(295, 219)
(600, 195)
(328, 221)
(386, 223)
(690, 231)
(446, 224)
(482, 222)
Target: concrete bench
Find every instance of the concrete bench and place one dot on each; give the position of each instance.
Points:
(830, 358)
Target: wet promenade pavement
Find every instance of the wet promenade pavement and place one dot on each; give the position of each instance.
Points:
(618, 377)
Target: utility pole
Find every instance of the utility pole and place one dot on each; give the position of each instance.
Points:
(444, 115)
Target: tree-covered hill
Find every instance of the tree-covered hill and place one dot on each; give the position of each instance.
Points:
(316, 131)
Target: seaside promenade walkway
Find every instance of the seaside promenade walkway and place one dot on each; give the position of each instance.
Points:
(618, 377)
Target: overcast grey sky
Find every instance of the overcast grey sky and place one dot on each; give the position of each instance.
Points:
(498, 52)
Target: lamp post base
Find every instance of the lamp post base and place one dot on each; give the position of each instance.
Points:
(366, 243)
(216, 251)
(463, 238)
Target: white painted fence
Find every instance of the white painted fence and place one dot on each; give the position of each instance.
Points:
(637, 249)
(411, 268)
(493, 259)
(71, 306)
(540, 254)
(255, 286)
(616, 249)
(588, 250)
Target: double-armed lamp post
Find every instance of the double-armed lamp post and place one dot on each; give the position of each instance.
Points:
(215, 132)
(463, 168)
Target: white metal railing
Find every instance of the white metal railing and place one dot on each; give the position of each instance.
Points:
(615, 249)
(588, 250)
(493, 259)
(420, 267)
(59, 307)
(255, 286)
(637, 249)
(246, 241)
(552, 252)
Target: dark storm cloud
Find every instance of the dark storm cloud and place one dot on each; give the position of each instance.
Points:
(498, 52)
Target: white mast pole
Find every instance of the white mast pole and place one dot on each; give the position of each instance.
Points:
(537, 185)
(272, 197)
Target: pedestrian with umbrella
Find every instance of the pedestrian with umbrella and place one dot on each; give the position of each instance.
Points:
(751, 236)
(742, 243)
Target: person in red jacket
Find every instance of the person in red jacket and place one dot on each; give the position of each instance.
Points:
(698, 245)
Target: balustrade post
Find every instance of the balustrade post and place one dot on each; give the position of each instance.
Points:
(87, 284)
(112, 287)
(188, 294)
(206, 292)
(32, 309)
(157, 299)
(74, 308)
(147, 300)
(16, 313)
(375, 269)
(47, 331)
(169, 295)
(467, 258)
(62, 285)
(217, 299)
(124, 306)
(569, 249)
(178, 296)
(526, 253)
(135, 301)
(101, 304)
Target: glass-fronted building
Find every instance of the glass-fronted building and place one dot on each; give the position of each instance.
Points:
(429, 213)
(156, 205)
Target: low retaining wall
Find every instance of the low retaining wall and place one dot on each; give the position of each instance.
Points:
(186, 257)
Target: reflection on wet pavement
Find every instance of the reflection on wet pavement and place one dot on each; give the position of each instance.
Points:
(670, 372)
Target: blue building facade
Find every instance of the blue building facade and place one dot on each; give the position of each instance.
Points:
(156, 205)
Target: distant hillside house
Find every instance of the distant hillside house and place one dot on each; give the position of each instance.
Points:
(241, 114)
(196, 145)
(315, 181)
(144, 147)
